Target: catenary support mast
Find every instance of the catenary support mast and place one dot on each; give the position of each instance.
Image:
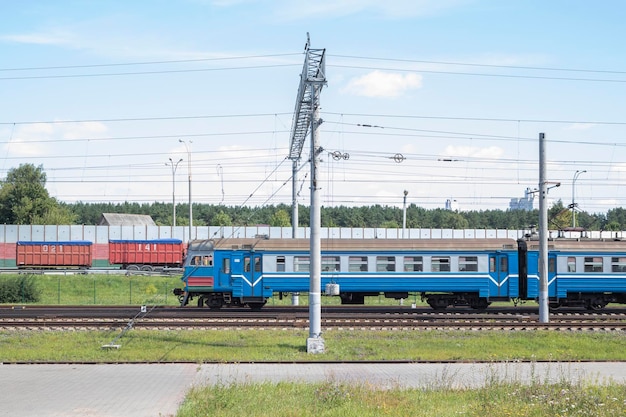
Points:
(306, 118)
(543, 233)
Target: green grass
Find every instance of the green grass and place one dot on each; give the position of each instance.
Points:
(336, 399)
(290, 345)
(93, 289)
(330, 398)
(113, 289)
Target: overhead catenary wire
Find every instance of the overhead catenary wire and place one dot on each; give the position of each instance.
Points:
(393, 130)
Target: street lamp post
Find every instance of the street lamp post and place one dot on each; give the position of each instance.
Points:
(576, 174)
(188, 148)
(174, 166)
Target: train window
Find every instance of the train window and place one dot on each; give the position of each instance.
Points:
(246, 264)
(413, 264)
(385, 263)
(593, 264)
(301, 263)
(257, 264)
(618, 264)
(330, 263)
(440, 264)
(280, 264)
(207, 260)
(571, 264)
(357, 263)
(492, 264)
(552, 265)
(468, 263)
(504, 264)
(226, 265)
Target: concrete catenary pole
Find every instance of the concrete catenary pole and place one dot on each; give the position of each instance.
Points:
(294, 199)
(306, 119)
(315, 343)
(543, 233)
(295, 296)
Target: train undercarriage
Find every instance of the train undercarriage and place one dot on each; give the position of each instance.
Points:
(445, 300)
(217, 300)
(437, 301)
(590, 301)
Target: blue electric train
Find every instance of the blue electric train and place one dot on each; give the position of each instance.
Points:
(446, 272)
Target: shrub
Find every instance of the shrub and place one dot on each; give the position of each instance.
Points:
(19, 289)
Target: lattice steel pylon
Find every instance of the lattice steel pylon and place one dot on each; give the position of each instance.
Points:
(312, 79)
(313, 73)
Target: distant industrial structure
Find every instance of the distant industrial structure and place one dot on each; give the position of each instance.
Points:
(452, 205)
(525, 203)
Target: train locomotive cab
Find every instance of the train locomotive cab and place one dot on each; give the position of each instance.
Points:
(219, 276)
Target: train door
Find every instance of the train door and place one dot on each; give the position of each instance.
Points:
(552, 282)
(499, 274)
(252, 275)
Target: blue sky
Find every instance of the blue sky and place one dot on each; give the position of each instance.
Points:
(101, 93)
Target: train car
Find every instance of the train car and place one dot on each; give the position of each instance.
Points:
(66, 254)
(146, 255)
(448, 272)
(581, 272)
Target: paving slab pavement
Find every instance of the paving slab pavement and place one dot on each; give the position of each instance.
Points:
(124, 390)
(415, 375)
(157, 390)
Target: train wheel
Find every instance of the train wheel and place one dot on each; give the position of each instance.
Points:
(596, 304)
(133, 267)
(214, 302)
(201, 301)
(437, 303)
(146, 268)
(480, 303)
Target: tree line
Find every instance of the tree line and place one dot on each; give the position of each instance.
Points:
(24, 199)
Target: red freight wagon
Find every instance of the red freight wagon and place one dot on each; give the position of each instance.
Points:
(70, 254)
(146, 255)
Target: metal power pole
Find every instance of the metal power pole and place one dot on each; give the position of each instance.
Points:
(543, 234)
(306, 118)
(576, 174)
(174, 166)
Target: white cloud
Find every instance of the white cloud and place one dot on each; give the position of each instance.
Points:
(36, 139)
(38, 38)
(383, 84)
(81, 130)
(393, 9)
(25, 140)
(580, 126)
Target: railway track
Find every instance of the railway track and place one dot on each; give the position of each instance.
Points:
(167, 318)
